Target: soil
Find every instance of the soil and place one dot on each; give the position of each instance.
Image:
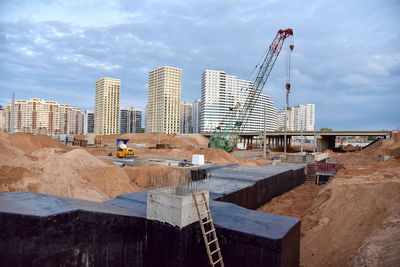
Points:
(353, 220)
(40, 164)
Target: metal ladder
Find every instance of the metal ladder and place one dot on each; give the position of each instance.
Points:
(212, 246)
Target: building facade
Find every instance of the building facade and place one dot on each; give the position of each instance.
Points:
(106, 108)
(2, 118)
(88, 124)
(131, 120)
(164, 100)
(196, 116)
(298, 118)
(43, 117)
(223, 96)
(186, 118)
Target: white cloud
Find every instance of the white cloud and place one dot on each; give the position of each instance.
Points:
(375, 69)
(355, 80)
(301, 78)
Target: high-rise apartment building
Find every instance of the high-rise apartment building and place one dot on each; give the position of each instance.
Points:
(164, 100)
(223, 96)
(300, 117)
(45, 117)
(186, 118)
(106, 108)
(88, 124)
(2, 118)
(196, 116)
(131, 120)
(255, 123)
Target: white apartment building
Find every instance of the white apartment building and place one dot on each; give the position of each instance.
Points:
(223, 96)
(196, 116)
(88, 122)
(300, 117)
(186, 118)
(2, 119)
(131, 120)
(45, 117)
(164, 100)
(106, 110)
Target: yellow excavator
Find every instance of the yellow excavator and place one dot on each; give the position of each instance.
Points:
(123, 151)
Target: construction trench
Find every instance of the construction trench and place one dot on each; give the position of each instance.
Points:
(46, 230)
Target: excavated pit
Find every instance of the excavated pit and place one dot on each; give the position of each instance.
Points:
(38, 228)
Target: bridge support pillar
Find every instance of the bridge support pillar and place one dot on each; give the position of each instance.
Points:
(326, 142)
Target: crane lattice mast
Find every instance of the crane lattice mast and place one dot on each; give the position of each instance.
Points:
(227, 140)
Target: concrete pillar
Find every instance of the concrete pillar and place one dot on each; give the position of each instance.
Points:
(326, 142)
(172, 207)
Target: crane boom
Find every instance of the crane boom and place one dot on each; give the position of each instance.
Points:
(228, 138)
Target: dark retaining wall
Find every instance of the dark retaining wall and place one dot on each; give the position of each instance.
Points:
(264, 190)
(44, 230)
(75, 238)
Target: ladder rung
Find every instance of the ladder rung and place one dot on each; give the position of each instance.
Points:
(220, 259)
(212, 230)
(198, 193)
(215, 251)
(207, 221)
(216, 239)
(204, 212)
(201, 203)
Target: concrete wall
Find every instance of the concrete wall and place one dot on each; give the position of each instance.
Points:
(44, 230)
(254, 196)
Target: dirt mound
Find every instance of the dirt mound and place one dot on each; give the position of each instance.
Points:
(29, 142)
(151, 139)
(155, 176)
(354, 219)
(10, 154)
(396, 152)
(396, 136)
(51, 169)
(198, 140)
(82, 159)
(111, 180)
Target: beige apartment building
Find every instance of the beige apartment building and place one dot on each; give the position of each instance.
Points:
(164, 100)
(106, 107)
(44, 117)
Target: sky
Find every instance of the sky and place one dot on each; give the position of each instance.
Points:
(346, 58)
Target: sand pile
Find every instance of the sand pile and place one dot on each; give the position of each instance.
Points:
(151, 139)
(217, 156)
(10, 153)
(111, 180)
(29, 142)
(155, 176)
(354, 219)
(48, 168)
(82, 159)
(40, 165)
(182, 148)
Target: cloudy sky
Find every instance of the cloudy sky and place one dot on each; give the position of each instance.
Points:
(346, 58)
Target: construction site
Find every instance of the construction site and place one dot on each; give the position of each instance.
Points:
(155, 199)
(67, 203)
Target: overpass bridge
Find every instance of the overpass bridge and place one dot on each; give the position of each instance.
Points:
(325, 140)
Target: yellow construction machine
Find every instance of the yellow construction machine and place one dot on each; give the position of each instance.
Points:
(123, 151)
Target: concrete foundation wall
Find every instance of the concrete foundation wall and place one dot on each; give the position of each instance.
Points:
(44, 230)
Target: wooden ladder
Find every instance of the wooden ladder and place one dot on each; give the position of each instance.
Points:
(212, 246)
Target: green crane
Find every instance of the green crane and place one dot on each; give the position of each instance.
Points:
(226, 137)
